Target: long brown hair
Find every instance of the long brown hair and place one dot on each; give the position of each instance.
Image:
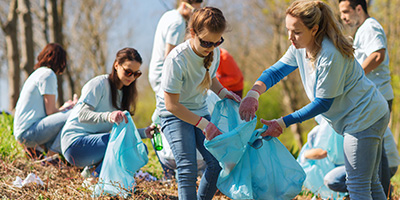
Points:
(52, 56)
(313, 13)
(129, 93)
(212, 20)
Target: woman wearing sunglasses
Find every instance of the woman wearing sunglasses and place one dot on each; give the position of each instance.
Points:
(338, 89)
(188, 72)
(102, 102)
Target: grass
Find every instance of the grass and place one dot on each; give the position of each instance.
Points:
(65, 182)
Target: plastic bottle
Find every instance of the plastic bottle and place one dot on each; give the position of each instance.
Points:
(157, 139)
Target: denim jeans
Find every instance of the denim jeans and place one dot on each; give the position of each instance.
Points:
(184, 138)
(45, 132)
(363, 151)
(336, 178)
(88, 150)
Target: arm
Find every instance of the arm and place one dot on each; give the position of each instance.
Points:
(172, 105)
(276, 126)
(88, 115)
(316, 107)
(168, 48)
(315, 154)
(50, 104)
(373, 60)
(274, 74)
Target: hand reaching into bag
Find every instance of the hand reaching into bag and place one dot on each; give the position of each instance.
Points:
(117, 117)
(249, 105)
(224, 93)
(208, 128)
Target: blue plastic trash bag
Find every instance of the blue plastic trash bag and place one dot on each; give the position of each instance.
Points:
(264, 171)
(324, 137)
(125, 154)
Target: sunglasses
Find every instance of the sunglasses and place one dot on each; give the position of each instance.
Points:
(207, 44)
(129, 73)
(258, 143)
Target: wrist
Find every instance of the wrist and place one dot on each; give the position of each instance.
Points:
(222, 93)
(253, 93)
(109, 118)
(281, 123)
(202, 123)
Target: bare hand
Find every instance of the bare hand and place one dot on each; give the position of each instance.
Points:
(315, 154)
(150, 131)
(117, 117)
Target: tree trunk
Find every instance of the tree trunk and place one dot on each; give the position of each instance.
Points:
(55, 25)
(10, 32)
(44, 17)
(25, 18)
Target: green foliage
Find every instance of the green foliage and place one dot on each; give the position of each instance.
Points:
(9, 148)
(144, 110)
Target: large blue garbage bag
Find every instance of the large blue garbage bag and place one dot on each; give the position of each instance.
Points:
(324, 137)
(266, 172)
(125, 154)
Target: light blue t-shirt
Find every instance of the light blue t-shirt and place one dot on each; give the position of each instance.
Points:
(357, 103)
(30, 106)
(96, 93)
(370, 37)
(183, 71)
(170, 30)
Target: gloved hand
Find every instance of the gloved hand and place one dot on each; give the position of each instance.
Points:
(275, 127)
(208, 128)
(249, 105)
(117, 117)
(150, 130)
(211, 131)
(224, 93)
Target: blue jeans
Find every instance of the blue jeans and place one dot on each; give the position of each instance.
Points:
(363, 151)
(336, 178)
(184, 138)
(88, 150)
(46, 132)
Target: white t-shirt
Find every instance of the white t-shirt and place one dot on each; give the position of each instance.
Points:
(183, 71)
(30, 106)
(170, 30)
(370, 37)
(96, 93)
(357, 104)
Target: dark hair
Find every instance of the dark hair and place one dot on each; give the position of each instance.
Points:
(52, 56)
(355, 3)
(129, 93)
(212, 20)
(192, 1)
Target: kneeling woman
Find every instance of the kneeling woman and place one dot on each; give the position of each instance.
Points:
(102, 102)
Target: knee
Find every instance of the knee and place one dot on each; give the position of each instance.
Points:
(335, 184)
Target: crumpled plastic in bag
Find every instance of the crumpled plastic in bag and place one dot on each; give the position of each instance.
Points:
(31, 178)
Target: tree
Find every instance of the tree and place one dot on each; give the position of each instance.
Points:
(25, 20)
(10, 30)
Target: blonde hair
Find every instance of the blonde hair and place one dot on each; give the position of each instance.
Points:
(207, 19)
(313, 13)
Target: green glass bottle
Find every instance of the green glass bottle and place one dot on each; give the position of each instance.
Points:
(157, 139)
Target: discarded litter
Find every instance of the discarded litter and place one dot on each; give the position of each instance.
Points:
(31, 178)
